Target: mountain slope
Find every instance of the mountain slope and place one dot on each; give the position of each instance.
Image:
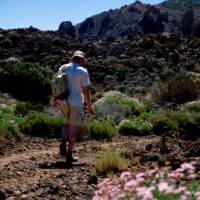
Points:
(135, 19)
(181, 16)
(180, 4)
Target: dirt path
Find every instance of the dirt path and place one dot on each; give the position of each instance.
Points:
(32, 168)
(25, 156)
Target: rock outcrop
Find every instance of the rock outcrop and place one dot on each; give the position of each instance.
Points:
(67, 28)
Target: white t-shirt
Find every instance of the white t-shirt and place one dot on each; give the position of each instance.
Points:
(78, 78)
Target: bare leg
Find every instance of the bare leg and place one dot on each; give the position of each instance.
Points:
(65, 135)
(72, 141)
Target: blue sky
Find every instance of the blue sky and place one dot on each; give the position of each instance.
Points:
(48, 14)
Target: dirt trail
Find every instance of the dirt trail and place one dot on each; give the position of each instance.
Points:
(32, 168)
(25, 156)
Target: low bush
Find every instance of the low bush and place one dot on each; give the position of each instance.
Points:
(191, 106)
(135, 126)
(9, 130)
(26, 81)
(23, 108)
(9, 124)
(190, 129)
(117, 105)
(109, 162)
(101, 130)
(175, 89)
(8, 115)
(42, 125)
(162, 123)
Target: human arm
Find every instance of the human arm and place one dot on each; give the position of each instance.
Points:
(86, 91)
(87, 96)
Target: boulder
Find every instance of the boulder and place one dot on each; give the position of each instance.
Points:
(67, 28)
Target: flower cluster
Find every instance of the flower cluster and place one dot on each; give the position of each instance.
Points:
(182, 183)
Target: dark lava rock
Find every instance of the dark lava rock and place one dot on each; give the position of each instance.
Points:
(66, 28)
(92, 180)
(3, 194)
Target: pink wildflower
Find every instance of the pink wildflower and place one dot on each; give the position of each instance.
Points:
(148, 195)
(164, 187)
(140, 175)
(131, 185)
(197, 194)
(125, 176)
(152, 172)
(180, 190)
(183, 197)
(104, 182)
(176, 175)
(144, 193)
(187, 166)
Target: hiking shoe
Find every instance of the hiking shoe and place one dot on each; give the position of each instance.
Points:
(71, 159)
(63, 151)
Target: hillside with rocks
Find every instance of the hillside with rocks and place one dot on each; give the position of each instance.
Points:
(121, 63)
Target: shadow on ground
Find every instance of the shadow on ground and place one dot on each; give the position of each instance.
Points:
(60, 165)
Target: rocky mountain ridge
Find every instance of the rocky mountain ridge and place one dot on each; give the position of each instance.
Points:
(139, 19)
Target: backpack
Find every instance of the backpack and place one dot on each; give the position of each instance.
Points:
(59, 86)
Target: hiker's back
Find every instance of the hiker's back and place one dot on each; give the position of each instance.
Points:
(77, 78)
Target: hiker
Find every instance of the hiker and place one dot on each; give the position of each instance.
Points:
(72, 109)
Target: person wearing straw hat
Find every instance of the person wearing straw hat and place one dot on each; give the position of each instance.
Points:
(72, 109)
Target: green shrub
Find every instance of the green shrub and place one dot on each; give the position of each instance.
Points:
(191, 107)
(175, 89)
(7, 115)
(26, 81)
(101, 130)
(42, 125)
(196, 117)
(23, 108)
(9, 124)
(180, 117)
(117, 105)
(162, 123)
(109, 162)
(190, 129)
(9, 130)
(135, 126)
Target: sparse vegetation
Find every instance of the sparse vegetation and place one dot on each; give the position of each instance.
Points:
(110, 162)
(117, 105)
(42, 125)
(9, 130)
(175, 89)
(101, 130)
(135, 126)
(23, 108)
(26, 81)
(9, 124)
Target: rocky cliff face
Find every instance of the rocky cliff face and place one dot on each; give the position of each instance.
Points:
(135, 19)
(181, 16)
(184, 14)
